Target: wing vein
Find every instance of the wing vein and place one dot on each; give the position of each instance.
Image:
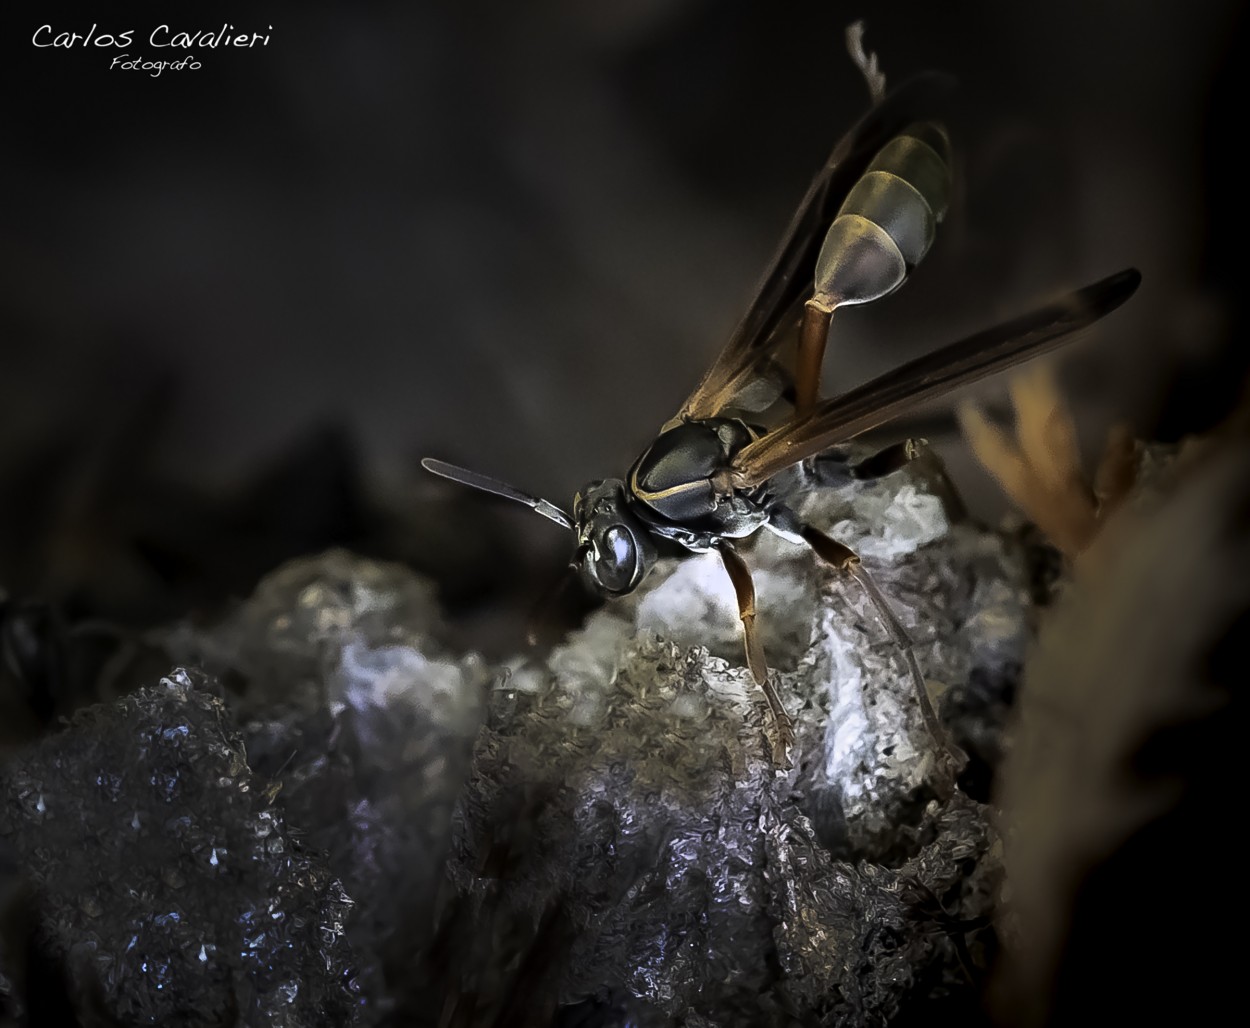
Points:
(886, 397)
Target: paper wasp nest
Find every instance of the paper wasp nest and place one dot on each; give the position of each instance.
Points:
(597, 836)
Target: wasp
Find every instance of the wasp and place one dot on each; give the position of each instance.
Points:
(714, 475)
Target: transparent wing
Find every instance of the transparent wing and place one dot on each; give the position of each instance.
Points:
(886, 397)
(788, 281)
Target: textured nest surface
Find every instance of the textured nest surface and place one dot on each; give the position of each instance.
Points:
(331, 817)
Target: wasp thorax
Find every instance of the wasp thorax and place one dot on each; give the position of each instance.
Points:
(614, 549)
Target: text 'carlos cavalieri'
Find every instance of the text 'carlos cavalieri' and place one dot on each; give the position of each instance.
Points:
(162, 38)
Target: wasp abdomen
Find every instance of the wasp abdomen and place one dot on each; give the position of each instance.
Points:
(888, 220)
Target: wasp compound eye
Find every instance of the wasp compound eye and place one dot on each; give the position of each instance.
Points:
(614, 563)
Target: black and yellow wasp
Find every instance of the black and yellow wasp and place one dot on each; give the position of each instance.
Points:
(714, 475)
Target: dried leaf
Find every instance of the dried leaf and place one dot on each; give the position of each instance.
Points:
(1040, 470)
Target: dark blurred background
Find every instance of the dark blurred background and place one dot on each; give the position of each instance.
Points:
(239, 303)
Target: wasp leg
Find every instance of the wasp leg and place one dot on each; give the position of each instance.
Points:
(813, 335)
(835, 468)
(559, 609)
(847, 561)
(740, 575)
(886, 462)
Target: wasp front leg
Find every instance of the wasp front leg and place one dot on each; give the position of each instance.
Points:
(740, 575)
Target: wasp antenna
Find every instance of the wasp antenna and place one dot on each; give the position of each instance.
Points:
(487, 484)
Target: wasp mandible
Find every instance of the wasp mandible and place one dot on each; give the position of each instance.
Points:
(714, 475)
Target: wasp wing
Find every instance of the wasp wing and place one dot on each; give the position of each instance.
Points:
(886, 397)
(789, 279)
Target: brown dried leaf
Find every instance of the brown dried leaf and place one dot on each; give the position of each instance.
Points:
(1125, 655)
(1040, 470)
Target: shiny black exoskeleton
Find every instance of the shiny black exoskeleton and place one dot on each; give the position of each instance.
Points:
(678, 491)
(711, 478)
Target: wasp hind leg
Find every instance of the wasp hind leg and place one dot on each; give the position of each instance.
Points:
(886, 462)
(740, 575)
(847, 561)
(835, 467)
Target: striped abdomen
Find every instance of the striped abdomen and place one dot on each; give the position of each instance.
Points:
(888, 220)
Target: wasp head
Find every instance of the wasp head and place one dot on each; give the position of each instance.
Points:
(614, 548)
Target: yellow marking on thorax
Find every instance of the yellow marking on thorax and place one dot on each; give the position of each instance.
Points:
(675, 490)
